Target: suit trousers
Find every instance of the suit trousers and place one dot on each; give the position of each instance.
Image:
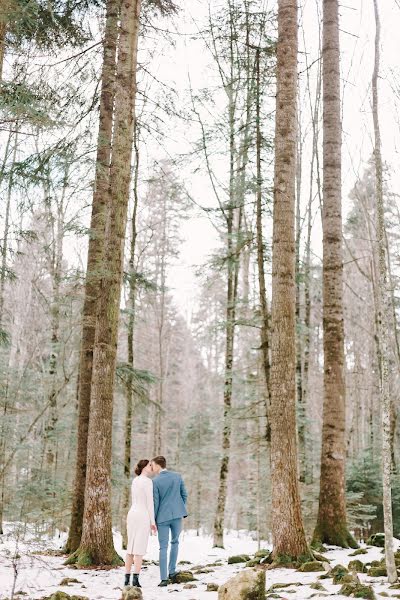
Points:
(175, 527)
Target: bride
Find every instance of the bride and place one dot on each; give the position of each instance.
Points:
(140, 521)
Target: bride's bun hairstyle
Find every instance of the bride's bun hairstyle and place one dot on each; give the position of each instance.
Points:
(141, 465)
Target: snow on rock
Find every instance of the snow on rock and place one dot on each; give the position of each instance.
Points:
(39, 575)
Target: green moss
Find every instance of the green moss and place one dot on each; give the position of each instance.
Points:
(184, 577)
(253, 562)
(378, 539)
(317, 586)
(240, 558)
(338, 572)
(359, 551)
(311, 566)
(377, 571)
(357, 590)
(262, 553)
(357, 566)
(84, 559)
(212, 587)
(334, 536)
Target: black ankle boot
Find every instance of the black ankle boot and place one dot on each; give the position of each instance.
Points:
(127, 578)
(135, 580)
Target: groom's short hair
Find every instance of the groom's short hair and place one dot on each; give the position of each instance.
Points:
(160, 461)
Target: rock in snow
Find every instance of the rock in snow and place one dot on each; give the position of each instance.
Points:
(247, 585)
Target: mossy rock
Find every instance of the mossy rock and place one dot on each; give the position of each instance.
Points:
(212, 587)
(184, 577)
(184, 562)
(132, 593)
(263, 553)
(318, 546)
(189, 586)
(253, 562)
(311, 566)
(358, 552)
(377, 571)
(277, 586)
(59, 595)
(357, 590)
(377, 563)
(337, 573)
(68, 580)
(385, 594)
(317, 586)
(394, 586)
(239, 558)
(203, 570)
(321, 558)
(378, 539)
(356, 566)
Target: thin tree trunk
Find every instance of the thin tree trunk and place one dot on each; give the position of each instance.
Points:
(130, 349)
(265, 316)
(287, 525)
(3, 29)
(331, 525)
(383, 319)
(3, 278)
(94, 263)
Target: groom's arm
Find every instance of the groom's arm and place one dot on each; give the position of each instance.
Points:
(184, 493)
(156, 499)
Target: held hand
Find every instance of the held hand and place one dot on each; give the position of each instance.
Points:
(154, 529)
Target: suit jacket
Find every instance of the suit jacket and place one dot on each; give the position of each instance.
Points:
(170, 497)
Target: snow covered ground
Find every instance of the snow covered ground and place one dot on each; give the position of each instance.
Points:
(39, 575)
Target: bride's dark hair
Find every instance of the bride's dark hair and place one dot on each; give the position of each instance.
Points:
(141, 465)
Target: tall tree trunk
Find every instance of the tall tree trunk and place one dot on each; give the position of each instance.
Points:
(96, 545)
(130, 349)
(287, 524)
(94, 262)
(331, 525)
(384, 315)
(3, 29)
(265, 317)
(3, 278)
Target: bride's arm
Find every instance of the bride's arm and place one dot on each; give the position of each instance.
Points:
(150, 502)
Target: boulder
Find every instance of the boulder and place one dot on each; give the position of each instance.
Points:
(68, 580)
(357, 590)
(132, 593)
(184, 577)
(359, 551)
(253, 562)
(378, 539)
(263, 553)
(212, 587)
(247, 585)
(338, 572)
(59, 595)
(317, 586)
(377, 571)
(240, 558)
(356, 566)
(313, 565)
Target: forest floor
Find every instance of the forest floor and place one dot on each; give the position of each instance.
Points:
(38, 575)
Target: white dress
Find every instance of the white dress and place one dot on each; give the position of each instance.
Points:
(140, 516)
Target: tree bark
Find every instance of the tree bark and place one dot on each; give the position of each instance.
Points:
(384, 315)
(130, 348)
(331, 527)
(96, 545)
(287, 525)
(265, 316)
(94, 262)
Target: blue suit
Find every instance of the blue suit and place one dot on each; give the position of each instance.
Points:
(170, 498)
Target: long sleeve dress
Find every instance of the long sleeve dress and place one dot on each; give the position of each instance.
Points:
(140, 516)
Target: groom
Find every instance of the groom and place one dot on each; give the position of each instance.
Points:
(169, 508)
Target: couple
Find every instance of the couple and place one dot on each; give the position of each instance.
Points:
(158, 504)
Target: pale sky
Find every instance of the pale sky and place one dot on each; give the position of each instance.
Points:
(189, 57)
